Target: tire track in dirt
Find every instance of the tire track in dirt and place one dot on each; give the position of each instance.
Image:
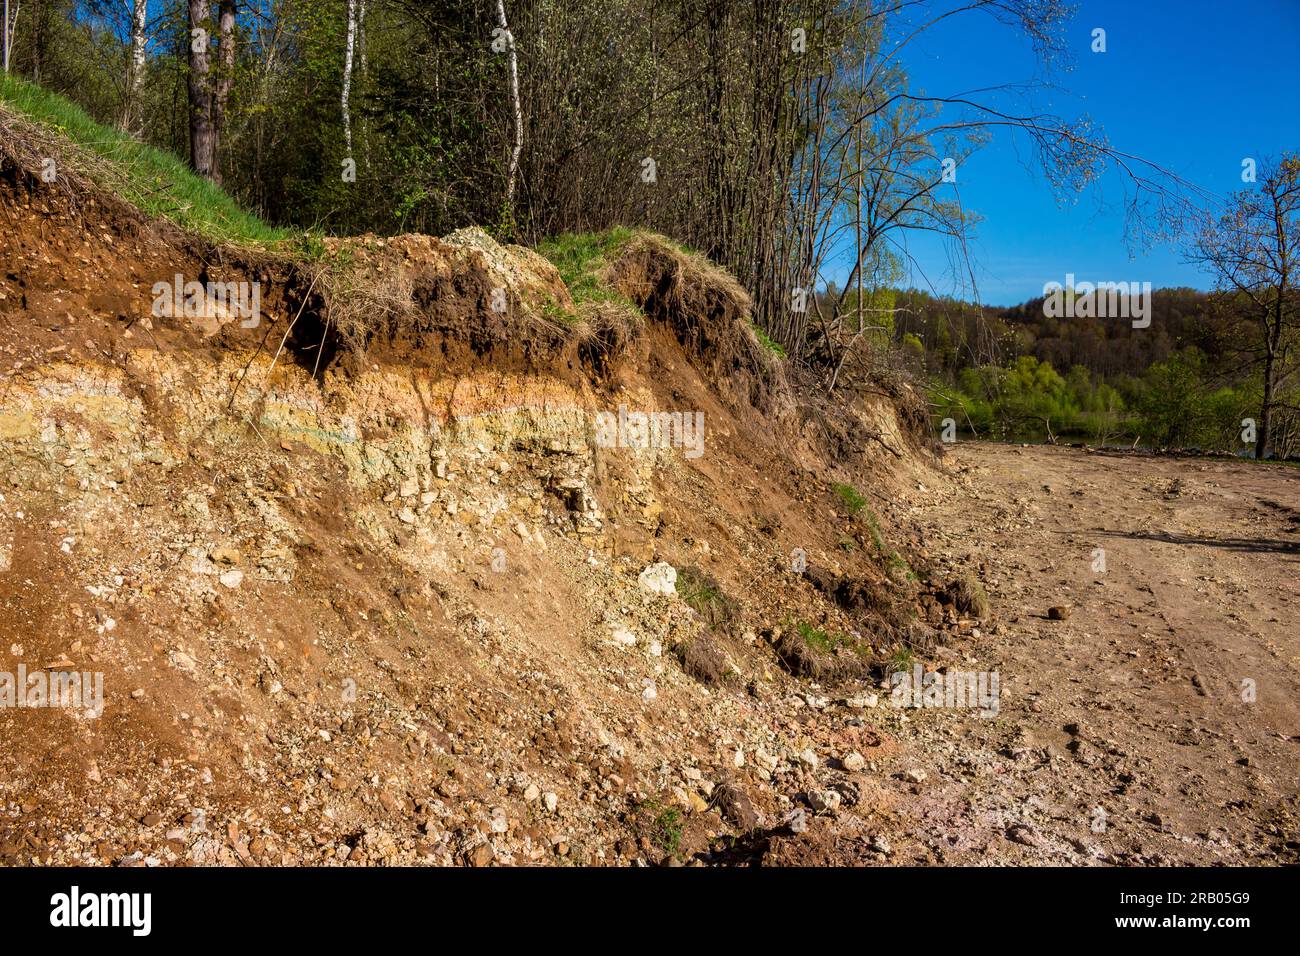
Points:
(1136, 703)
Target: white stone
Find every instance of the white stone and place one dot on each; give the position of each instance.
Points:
(766, 760)
(659, 578)
(822, 800)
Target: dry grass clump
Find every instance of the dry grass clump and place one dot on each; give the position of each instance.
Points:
(704, 659)
(708, 311)
(968, 597)
(809, 651)
(359, 300)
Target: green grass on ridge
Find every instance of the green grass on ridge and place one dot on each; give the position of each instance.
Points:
(153, 180)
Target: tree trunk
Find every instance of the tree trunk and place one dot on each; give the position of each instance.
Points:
(40, 40)
(347, 72)
(133, 115)
(514, 98)
(10, 22)
(364, 71)
(225, 80)
(201, 138)
(361, 36)
(1265, 434)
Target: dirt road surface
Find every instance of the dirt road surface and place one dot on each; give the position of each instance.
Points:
(1159, 722)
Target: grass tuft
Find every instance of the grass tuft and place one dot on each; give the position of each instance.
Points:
(776, 348)
(662, 825)
(581, 259)
(853, 500)
(818, 639)
(702, 592)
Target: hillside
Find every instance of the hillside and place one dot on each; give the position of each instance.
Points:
(362, 581)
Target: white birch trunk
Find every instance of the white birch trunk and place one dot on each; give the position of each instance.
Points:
(135, 88)
(347, 72)
(364, 73)
(10, 22)
(514, 96)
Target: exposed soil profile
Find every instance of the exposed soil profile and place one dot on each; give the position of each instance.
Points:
(365, 588)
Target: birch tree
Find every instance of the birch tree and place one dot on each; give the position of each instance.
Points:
(509, 40)
(133, 115)
(348, 52)
(361, 53)
(10, 22)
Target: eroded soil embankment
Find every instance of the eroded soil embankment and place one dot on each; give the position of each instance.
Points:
(390, 609)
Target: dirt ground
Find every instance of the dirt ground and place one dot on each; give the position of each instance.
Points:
(1159, 722)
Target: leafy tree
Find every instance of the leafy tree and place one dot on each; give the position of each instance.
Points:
(1174, 408)
(1253, 251)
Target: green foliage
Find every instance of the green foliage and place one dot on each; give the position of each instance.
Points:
(1180, 409)
(818, 639)
(827, 642)
(581, 260)
(901, 660)
(851, 499)
(1173, 405)
(873, 527)
(1026, 393)
(914, 349)
(665, 826)
(855, 504)
(896, 565)
(766, 341)
(876, 315)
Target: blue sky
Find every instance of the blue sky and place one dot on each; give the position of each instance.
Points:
(1193, 85)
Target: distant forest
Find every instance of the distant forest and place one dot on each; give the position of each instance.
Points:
(1014, 372)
